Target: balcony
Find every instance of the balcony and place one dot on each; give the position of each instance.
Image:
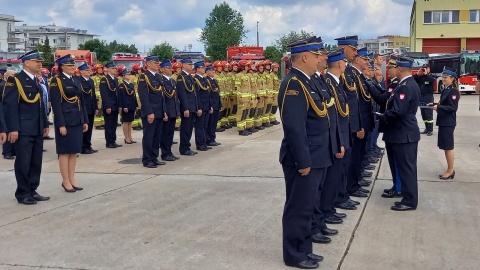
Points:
(65, 45)
(14, 40)
(15, 31)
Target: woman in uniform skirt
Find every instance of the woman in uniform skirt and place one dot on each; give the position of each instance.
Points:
(70, 120)
(447, 119)
(128, 103)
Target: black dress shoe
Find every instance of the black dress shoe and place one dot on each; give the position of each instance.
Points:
(48, 138)
(328, 231)
(159, 163)
(366, 174)
(321, 239)
(340, 215)
(307, 264)
(117, 145)
(72, 190)
(369, 167)
(391, 194)
(397, 203)
(188, 153)
(243, 133)
(345, 206)
(220, 130)
(111, 146)
(202, 149)
(212, 144)
(27, 201)
(208, 147)
(267, 125)
(38, 197)
(388, 189)
(451, 176)
(333, 220)
(175, 157)
(358, 194)
(430, 133)
(364, 183)
(8, 157)
(364, 190)
(168, 158)
(77, 188)
(87, 152)
(352, 202)
(402, 207)
(275, 122)
(424, 131)
(174, 142)
(195, 153)
(315, 257)
(150, 165)
(93, 150)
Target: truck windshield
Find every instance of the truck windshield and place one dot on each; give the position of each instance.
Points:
(470, 64)
(419, 62)
(17, 66)
(127, 63)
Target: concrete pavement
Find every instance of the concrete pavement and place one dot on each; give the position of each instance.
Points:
(222, 210)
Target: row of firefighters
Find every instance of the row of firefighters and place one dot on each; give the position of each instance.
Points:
(248, 91)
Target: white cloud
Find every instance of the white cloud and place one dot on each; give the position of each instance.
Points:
(133, 14)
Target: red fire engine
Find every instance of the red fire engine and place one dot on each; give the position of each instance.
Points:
(81, 56)
(127, 60)
(238, 53)
(466, 64)
(11, 64)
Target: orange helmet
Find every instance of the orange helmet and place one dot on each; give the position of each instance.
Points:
(76, 72)
(177, 65)
(120, 69)
(275, 65)
(267, 62)
(259, 64)
(136, 67)
(243, 63)
(217, 64)
(225, 64)
(45, 71)
(97, 66)
(233, 63)
(207, 64)
(55, 69)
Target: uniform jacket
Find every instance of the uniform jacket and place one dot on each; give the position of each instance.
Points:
(352, 98)
(172, 104)
(203, 92)
(306, 139)
(216, 102)
(447, 107)
(150, 91)
(3, 127)
(381, 96)
(401, 122)
(186, 92)
(364, 105)
(425, 83)
(89, 95)
(343, 122)
(327, 95)
(64, 112)
(27, 118)
(108, 91)
(127, 100)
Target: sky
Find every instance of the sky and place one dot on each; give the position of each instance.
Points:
(146, 23)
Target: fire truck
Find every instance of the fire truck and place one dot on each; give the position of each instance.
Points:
(127, 60)
(11, 64)
(195, 56)
(238, 53)
(81, 56)
(467, 65)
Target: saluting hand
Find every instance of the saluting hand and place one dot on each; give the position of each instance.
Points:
(3, 137)
(85, 127)
(304, 172)
(13, 136)
(63, 131)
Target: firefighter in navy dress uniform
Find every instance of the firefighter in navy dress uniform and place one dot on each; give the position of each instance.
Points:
(402, 134)
(216, 107)
(89, 96)
(70, 119)
(108, 91)
(26, 123)
(128, 103)
(202, 91)
(447, 119)
(172, 104)
(305, 152)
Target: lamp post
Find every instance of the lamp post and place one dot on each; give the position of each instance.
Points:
(257, 35)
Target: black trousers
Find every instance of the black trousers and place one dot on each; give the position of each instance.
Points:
(212, 126)
(342, 195)
(8, 148)
(110, 126)
(355, 170)
(28, 165)
(333, 183)
(427, 114)
(186, 130)
(405, 156)
(299, 208)
(318, 219)
(397, 185)
(152, 135)
(201, 126)
(87, 136)
(168, 131)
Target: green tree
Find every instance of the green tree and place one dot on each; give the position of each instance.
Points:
(331, 47)
(224, 27)
(100, 47)
(284, 40)
(114, 47)
(163, 50)
(273, 54)
(47, 52)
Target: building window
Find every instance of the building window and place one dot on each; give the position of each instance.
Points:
(451, 16)
(54, 41)
(474, 16)
(396, 43)
(403, 43)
